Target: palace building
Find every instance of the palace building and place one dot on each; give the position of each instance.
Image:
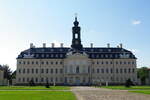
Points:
(75, 65)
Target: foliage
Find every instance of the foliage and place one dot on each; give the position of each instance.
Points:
(142, 74)
(47, 84)
(128, 83)
(31, 82)
(7, 71)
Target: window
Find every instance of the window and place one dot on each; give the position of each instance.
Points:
(120, 62)
(107, 71)
(28, 63)
(77, 69)
(61, 70)
(111, 70)
(28, 71)
(32, 62)
(120, 70)
(132, 62)
(60, 62)
(97, 62)
(51, 70)
(47, 55)
(24, 62)
(37, 62)
(125, 70)
(36, 79)
(32, 71)
(36, 70)
(42, 55)
(46, 70)
(56, 62)
(52, 63)
(42, 70)
(124, 62)
(132, 70)
(42, 79)
(106, 62)
(19, 70)
(42, 62)
(111, 62)
(93, 70)
(56, 71)
(129, 70)
(19, 62)
(102, 70)
(116, 70)
(47, 62)
(128, 62)
(23, 70)
(116, 62)
(97, 70)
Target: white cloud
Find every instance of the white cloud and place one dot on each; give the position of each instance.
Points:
(136, 22)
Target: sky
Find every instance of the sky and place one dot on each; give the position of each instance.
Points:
(50, 21)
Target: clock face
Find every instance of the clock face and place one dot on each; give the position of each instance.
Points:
(76, 42)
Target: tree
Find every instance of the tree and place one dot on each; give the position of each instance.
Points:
(7, 71)
(142, 74)
(128, 83)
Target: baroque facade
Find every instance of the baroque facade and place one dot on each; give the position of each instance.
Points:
(75, 65)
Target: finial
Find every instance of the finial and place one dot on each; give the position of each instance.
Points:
(76, 16)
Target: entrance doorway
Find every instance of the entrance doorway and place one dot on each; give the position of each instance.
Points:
(77, 81)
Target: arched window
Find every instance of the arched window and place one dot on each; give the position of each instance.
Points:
(77, 69)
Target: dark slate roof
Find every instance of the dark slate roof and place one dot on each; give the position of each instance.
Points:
(60, 53)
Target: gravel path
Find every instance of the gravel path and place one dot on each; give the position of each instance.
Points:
(91, 93)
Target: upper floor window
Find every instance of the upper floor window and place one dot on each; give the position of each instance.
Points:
(47, 62)
(19, 62)
(32, 62)
(77, 69)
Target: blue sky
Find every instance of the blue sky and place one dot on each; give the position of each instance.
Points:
(102, 21)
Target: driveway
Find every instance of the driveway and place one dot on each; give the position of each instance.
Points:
(91, 93)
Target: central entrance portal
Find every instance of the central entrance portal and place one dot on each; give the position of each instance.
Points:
(77, 81)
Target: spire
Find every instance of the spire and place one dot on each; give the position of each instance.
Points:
(76, 38)
(76, 23)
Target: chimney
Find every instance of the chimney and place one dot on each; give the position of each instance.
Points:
(31, 45)
(108, 45)
(121, 45)
(117, 46)
(91, 45)
(61, 45)
(44, 45)
(53, 45)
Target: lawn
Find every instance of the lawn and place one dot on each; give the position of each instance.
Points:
(37, 95)
(125, 88)
(142, 91)
(34, 88)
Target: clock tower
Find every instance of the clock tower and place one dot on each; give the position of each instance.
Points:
(76, 36)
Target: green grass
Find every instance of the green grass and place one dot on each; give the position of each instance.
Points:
(37, 95)
(125, 88)
(142, 91)
(34, 88)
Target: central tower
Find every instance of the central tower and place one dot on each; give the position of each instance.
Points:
(76, 36)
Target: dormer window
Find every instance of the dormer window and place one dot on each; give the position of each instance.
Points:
(42, 55)
(52, 50)
(47, 55)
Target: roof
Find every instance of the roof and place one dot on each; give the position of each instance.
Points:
(60, 53)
